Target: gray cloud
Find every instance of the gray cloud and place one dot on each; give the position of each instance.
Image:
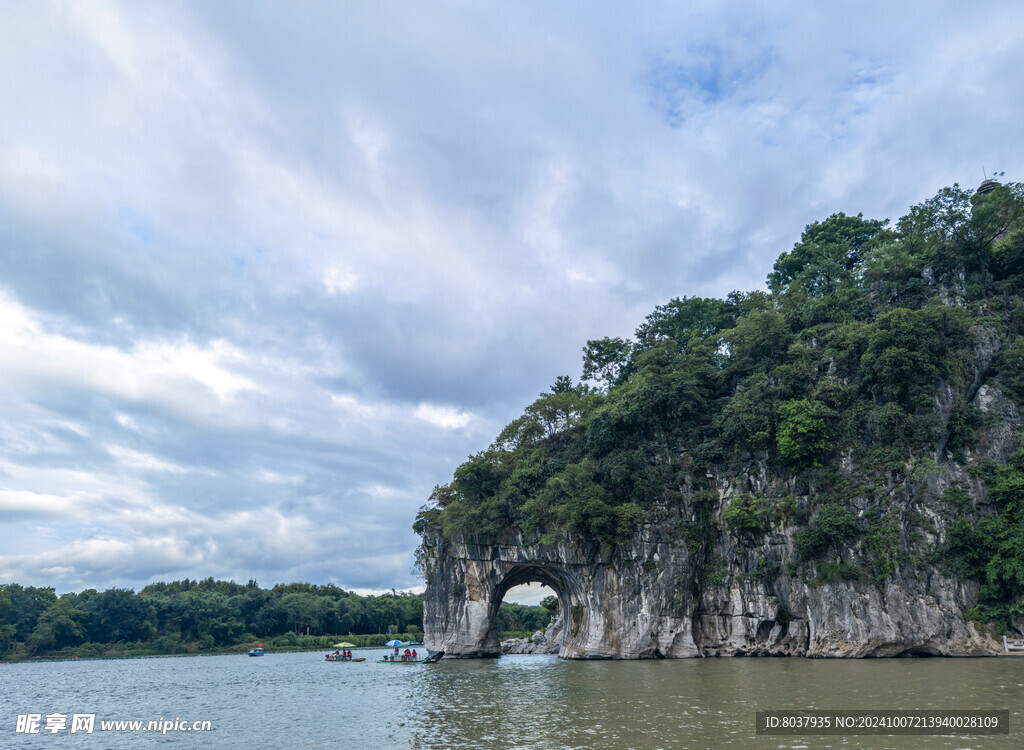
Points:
(269, 275)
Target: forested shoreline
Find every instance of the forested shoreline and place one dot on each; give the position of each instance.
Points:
(192, 616)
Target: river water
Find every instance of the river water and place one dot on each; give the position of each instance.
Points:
(297, 700)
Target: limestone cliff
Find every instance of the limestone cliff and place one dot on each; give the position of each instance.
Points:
(829, 468)
(650, 597)
(643, 600)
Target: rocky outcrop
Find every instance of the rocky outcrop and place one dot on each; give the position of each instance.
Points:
(652, 597)
(606, 595)
(660, 594)
(541, 642)
(641, 600)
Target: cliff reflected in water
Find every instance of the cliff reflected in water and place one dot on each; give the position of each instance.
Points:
(544, 702)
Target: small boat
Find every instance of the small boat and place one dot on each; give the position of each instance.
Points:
(258, 651)
(334, 657)
(340, 655)
(399, 661)
(432, 659)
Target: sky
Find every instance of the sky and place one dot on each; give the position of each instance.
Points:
(269, 272)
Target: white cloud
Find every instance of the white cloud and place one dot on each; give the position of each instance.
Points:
(271, 477)
(339, 281)
(143, 461)
(151, 370)
(23, 502)
(580, 276)
(126, 421)
(445, 417)
(207, 365)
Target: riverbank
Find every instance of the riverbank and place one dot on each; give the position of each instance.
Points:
(284, 643)
(278, 644)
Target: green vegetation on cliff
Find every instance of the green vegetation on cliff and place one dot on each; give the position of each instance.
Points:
(854, 380)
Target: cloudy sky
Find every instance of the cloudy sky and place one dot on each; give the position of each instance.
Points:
(270, 271)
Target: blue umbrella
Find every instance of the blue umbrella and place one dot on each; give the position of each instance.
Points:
(392, 644)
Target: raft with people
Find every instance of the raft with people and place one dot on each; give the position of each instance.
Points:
(432, 659)
(343, 655)
(409, 656)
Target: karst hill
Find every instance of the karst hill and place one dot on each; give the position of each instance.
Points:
(831, 467)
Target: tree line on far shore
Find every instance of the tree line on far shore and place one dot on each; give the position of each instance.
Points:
(189, 616)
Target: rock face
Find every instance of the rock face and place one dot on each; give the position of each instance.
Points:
(637, 602)
(613, 601)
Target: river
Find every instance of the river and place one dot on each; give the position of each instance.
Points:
(296, 700)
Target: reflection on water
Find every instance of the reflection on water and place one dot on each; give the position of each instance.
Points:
(298, 700)
(534, 701)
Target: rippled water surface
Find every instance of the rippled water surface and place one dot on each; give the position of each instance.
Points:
(300, 701)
